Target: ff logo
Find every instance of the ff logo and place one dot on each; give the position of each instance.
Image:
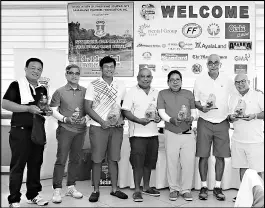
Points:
(192, 30)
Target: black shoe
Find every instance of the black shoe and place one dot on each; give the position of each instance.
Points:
(203, 195)
(151, 192)
(137, 197)
(94, 197)
(218, 193)
(234, 199)
(119, 194)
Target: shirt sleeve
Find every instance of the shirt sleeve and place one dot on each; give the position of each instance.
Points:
(196, 91)
(192, 101)
(261, 100)
(89, 92)
(56, 99)
(128, 101)
(160, 101)
(12, 93)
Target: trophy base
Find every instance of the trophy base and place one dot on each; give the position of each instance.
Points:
(241, 116)
(213, 108)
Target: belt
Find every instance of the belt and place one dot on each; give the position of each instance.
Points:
(22, 127)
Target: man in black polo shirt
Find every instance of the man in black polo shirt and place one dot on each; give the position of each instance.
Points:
(23, 150)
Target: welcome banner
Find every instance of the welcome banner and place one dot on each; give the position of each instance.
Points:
(100, 29)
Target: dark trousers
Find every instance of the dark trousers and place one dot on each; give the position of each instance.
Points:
(68, 143)
(24, 151)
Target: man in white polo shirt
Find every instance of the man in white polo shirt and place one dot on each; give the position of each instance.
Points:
(212, 125)
(247, 147)
(101, 95)
(143, 132)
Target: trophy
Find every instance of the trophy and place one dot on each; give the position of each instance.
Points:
(240, 109)
(43, 104)
(210, 103)
(114, 114)
(76, 114)
(151, 112)
(182, 114)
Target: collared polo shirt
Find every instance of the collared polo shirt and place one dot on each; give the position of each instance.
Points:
(172, 101)
(67, 100)
(248, 131)
(221, 88)
(24, 119)
(104, 96)
(137, 101)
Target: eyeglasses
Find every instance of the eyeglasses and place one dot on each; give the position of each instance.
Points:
(241, 82)
(73, 73)
(174, 80)
(108, 67)
(213, 64)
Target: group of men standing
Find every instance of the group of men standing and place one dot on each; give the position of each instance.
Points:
(175, 105)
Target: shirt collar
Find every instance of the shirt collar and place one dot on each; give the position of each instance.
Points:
(112, 83)
(139, 88)
(69, 87)
(249, 92)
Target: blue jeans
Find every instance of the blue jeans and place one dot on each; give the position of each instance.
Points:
(68, 143)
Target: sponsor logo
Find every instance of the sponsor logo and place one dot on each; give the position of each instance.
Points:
(174, 57)
(147, 55)
(140, 45)
(237, 30)
(207, 46)
(204, 57)
(242, 58)
(196, 68)
(147, 66)
(192, 30)
(148, 11)
(167, 68)
(100, 28)
(144, 30)
(213, 29)
(240, 68)
(179, 46)
(240, 45)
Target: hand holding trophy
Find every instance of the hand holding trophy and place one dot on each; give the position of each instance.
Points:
(182, 114)
(240, 109)
(43, 105)
(151, 113)
(210, 103)
(114, 114)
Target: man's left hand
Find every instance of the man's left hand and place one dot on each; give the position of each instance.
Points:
(120, 122)
(249, 117)
(81, 121)
(157, 119)
(189, 119)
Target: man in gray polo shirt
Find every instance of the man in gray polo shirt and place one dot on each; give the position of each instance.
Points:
(177, 108)
(70, 133)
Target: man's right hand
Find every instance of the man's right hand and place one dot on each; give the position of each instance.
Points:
(34, 109)
(143, 121)
(175, 121)
(205, 109)
(104, 124)
(69, 120)
(232, 118)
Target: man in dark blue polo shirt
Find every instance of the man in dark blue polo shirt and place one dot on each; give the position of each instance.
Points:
(23, 150)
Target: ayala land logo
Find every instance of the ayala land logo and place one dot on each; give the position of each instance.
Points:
(213, 29)
(147, 11)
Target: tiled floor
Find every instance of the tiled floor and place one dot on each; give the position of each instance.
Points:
(106, 200)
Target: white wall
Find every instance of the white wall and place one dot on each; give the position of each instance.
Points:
(43, 24)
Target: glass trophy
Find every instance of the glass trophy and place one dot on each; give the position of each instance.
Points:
(43, 104)
(240, 109)
(183, 113)
(210, 103)
(114, 114)
(151, 112)
(76, 114)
